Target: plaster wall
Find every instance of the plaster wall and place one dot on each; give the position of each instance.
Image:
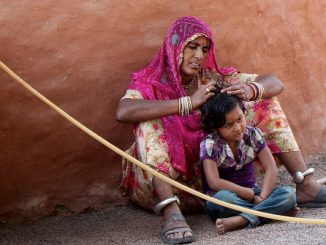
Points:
(80, 55)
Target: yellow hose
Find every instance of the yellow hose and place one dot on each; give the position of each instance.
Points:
(147, 168)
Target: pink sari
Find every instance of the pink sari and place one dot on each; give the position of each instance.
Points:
(160, 80)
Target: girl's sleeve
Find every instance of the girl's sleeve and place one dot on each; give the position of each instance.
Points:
(257, 140)
(208, 150)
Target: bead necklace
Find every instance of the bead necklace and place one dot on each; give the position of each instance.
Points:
(190, 85)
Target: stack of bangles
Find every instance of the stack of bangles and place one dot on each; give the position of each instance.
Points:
(184, 106)
(258, 90)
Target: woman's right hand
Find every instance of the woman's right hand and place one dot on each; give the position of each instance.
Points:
(202, 94)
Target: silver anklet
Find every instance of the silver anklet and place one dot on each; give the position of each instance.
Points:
(298, 176)
(158, 208)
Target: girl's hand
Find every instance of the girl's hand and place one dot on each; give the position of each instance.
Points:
(247, 194)
(239, 89)
(257, 200)
(202, 94)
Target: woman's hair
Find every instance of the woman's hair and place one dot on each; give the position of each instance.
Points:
(214, 110)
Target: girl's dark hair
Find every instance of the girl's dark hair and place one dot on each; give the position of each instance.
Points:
(214, 110)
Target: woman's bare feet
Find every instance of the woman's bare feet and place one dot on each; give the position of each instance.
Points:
(230, 224)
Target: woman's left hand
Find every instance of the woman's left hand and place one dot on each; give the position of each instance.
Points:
(239, 89)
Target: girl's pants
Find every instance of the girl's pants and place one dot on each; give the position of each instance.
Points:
(280, 201)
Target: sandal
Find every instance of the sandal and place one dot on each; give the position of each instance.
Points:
(181, 228)
(318, 202)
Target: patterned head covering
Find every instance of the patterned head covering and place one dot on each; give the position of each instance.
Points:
(161, 80)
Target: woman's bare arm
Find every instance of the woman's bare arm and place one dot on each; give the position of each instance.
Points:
(272, 85)
(140, 110)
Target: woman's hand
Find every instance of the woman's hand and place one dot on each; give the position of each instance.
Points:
(202, 94)
(239, 89)
(272, 87)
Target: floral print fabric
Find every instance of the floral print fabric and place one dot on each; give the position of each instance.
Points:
(151, 148)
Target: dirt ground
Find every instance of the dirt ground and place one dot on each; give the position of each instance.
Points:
(132, 225)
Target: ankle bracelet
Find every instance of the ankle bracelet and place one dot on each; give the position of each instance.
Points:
(298, 176)
(162, 204)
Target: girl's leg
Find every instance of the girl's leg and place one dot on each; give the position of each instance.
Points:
(281, 201)
(230, 224)
(217, 211)
(228, 219)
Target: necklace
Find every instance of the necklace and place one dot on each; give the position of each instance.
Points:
(190, 85)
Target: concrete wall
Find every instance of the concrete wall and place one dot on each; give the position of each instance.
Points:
(80, 54)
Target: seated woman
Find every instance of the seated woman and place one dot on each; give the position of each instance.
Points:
(162, 102)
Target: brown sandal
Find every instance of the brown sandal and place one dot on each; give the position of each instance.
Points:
(182, 228)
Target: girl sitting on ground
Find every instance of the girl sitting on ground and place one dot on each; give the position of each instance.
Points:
(227, 154)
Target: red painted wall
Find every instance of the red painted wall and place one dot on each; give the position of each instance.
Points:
(80, 55)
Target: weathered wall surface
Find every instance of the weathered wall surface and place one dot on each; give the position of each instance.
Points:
(80, 54)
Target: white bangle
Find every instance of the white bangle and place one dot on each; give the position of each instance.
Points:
(298, 176)
(158, 208)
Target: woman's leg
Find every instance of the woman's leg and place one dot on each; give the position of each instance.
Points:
(270, 118)
(309, 188)
(165, 191)
(147, 190)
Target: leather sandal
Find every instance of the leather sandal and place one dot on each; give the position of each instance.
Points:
(318, 202)
(180, 228)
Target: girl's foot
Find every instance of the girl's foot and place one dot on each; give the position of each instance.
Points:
(293, 212)
(230, 224)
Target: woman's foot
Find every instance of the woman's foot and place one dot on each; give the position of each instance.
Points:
(307, 191)
(175, 230)
(230, 224)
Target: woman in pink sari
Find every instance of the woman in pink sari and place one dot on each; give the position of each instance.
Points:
(162, 102)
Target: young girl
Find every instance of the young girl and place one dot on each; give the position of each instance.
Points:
(227, 154)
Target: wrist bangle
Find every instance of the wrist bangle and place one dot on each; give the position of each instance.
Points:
(260, 90)
(254, 91)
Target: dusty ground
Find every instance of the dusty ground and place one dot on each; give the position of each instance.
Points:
(132, 225)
